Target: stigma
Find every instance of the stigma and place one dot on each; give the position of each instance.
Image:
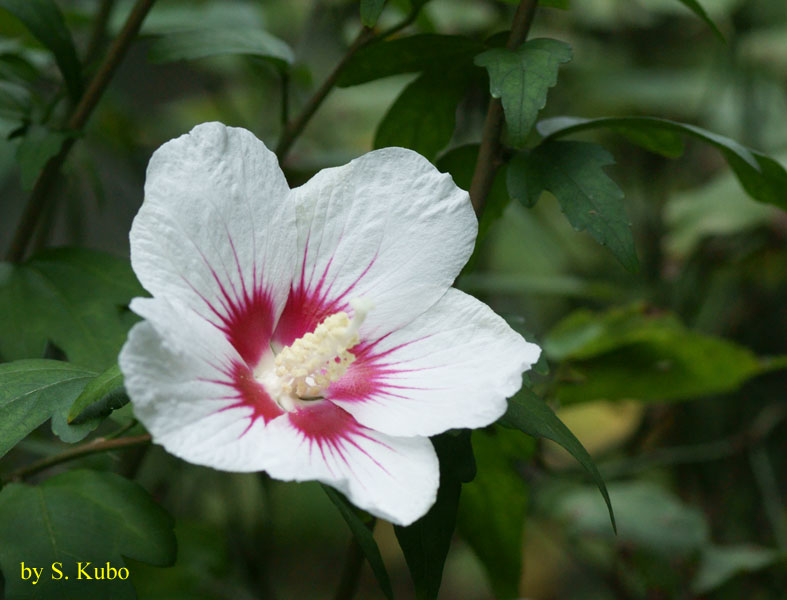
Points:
(303, 370)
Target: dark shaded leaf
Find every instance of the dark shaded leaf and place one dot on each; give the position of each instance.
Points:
(15, 103)
(45, 21)
(460, 163)
(423, 117)
(80, 516)
(72, 297)
(762, 177)
(202, 43)
(33, 391)
(100, 397)
(425, 543)
(573, 172)
(363, 535)
(492, 507)
(38, 145)
(521, 79)
(628, 353)
(407, 55)
(370, 11)
(528, 413)
(697, 9)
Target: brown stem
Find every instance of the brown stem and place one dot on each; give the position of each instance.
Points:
(366, 36)
(92, 447)
(295, 127)
(99, 33)
(77, 120)
(489, 152)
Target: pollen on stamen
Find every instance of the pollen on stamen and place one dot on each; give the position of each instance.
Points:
(305, 368)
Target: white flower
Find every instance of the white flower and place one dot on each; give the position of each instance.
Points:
(311, 333)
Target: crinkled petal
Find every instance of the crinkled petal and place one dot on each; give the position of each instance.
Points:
(192, 390)
(389, 227)
(393, 478)
(453, 367)
(217, 232)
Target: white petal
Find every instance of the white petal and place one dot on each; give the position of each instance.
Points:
(217, 231)
(393, 478)
(453, 367)
(389, 227)
(191, 389)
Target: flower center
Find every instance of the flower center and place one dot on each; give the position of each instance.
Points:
(305, 368)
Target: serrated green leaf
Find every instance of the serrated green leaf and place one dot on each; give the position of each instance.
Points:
(492, 507)
(202, 43)
(423, 117)
(521, 79)
(363, 535)
(45, 21)
(698, 10)
(425, 543)
(573, 172)
(628, 353)
(97, 399)
(73, 297)
(38, 145)
(80, 516)
(411, 54)
(34, 391)
(762, 177)
(528, 413)
(370, 11)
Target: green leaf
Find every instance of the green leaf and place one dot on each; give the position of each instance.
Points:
(75, 298)
(528, 413)
(719, 564)
(697, 9)
(649, 517)
(370, 11)
(762, 177)
(363, 535)
(15, 103)
(38, 145)
(33, 391)
(521, 79)
(460, 163)
(425, 543)
(573, 172)
(423, 117)
(410, 54)
(99, 398)
(627, 353)
(80, 516)
(492, 507)
(45, 21)
(202, 43)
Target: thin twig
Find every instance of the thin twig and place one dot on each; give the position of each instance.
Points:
(366, 36)
(489, 152)
(76, 122)
(99, 33)
(92, 447)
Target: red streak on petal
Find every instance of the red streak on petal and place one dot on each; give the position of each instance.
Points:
(248, 324)
(332, 429)
(249, 393)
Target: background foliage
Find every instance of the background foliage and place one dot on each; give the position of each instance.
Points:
(635, 228)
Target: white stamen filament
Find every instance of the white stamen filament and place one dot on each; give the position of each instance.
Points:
(305, 368)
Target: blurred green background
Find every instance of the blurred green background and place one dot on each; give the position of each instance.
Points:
(695, 466)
